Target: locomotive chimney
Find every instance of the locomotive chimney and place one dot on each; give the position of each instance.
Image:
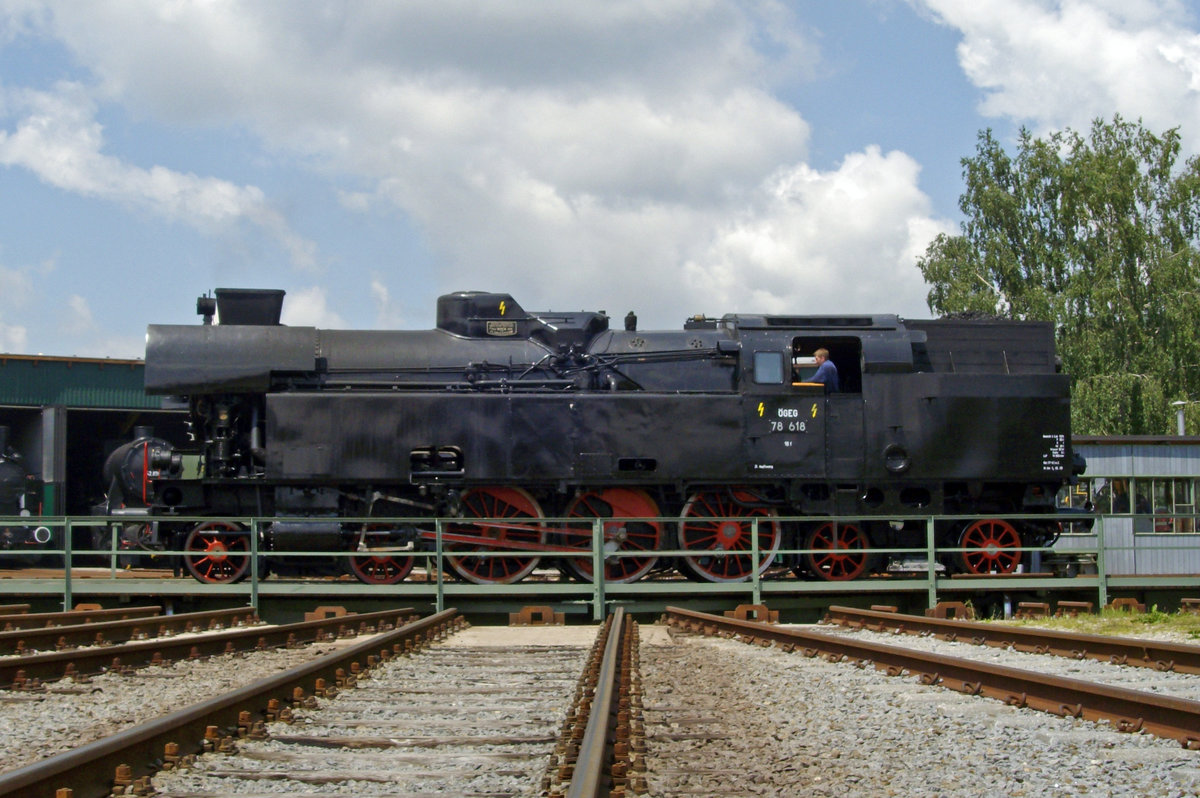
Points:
(631, 322)
(206, 306)
(249, 306)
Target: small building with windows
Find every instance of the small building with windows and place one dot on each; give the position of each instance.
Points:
(1145, 487)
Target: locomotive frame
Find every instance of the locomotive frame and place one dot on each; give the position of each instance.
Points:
(502, 418)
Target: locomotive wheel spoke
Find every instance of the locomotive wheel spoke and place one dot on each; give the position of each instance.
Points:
(718, 522)
(990, 546)
(619, 536)
(380, 569)
(217, 551)
(496, 503)
(841, 552)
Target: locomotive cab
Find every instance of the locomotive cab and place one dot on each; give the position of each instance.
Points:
(844, 353)
(795, 428)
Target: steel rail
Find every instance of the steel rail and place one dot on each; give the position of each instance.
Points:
(89, 770)
(1126, 710)
(34, 620)
(22, 671)
(14, 609)
(593, 766)
(51, 638)
(1156, 654)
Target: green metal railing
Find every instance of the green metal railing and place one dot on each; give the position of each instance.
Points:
(594, 597)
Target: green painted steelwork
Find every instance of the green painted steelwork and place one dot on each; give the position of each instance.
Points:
(32, 381)
(577, 599)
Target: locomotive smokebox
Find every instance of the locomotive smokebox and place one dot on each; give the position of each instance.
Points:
(131, 468)
(259, 307)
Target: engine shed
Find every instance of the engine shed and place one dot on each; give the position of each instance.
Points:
(62, 415)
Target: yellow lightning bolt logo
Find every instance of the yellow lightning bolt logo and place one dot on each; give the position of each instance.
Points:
(814, 410)
(760, 409)
(502, 308)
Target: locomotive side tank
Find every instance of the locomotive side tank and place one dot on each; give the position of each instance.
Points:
(499, 413)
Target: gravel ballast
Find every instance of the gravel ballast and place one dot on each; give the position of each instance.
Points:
(725, 718)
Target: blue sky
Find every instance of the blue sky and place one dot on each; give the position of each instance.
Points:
(670, 157)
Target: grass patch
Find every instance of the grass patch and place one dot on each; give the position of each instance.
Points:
(1120, 622)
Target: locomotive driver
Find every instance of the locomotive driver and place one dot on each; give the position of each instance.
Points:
(826, 373)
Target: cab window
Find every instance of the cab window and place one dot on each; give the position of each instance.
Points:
(768, 368)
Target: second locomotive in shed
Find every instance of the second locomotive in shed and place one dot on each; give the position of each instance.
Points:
(500, 417)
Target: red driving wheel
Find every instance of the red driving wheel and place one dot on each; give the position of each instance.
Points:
(503, 530)
(718, 526)
(619, 535)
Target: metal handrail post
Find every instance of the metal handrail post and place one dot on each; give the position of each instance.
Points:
(598, 575)
(931, 599)
(68, 599)
(113, 531)
(755, 581)
(1101, 567)
(254, 564)
(440, 603)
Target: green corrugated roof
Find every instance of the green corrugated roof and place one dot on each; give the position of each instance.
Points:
(74, 382)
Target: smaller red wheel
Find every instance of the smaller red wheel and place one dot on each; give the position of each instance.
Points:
(381, 568)
(217, 552)
(840, 552)
(990, 546)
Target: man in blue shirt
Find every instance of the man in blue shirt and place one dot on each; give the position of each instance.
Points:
(827, 373)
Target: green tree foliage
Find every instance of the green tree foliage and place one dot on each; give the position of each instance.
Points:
(1101, 235)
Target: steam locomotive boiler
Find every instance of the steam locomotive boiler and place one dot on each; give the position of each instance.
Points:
(523, 428)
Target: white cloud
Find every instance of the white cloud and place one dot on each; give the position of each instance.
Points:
(1060, 63)
(356, 201)
(86, 336)
(78, 318)
(16, 285)
(627, 152)
(837, 241)
(14, 338)
(59, 139)
(389, 314)
(309, 307)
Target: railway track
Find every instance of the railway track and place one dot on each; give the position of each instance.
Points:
(1159, 655)
(20, 619)
(1125, 709)
(30, 670)
(756, 716)
(481, 712)
(472, 716)
(105, 633)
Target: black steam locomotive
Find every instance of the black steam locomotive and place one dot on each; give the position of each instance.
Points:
(500, 418)
(18, 499)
